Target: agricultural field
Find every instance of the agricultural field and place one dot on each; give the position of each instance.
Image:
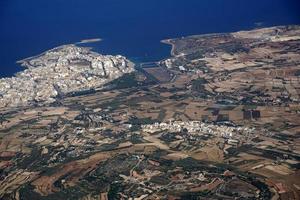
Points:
(219, 119)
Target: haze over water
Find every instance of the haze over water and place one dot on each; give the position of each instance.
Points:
(132, 28)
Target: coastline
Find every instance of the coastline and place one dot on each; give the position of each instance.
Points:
(169, 42)
(84, 41)
(20, 62)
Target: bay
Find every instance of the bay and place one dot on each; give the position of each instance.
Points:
(132, 28)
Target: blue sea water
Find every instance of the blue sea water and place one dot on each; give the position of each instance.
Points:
(132, 28)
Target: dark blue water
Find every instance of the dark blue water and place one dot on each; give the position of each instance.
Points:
(132, 28)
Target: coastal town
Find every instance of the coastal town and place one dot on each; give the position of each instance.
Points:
(219, 119)
(59, 72)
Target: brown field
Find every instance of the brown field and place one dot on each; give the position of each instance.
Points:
(161, 74)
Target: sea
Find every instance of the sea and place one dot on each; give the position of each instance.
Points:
(133, 28)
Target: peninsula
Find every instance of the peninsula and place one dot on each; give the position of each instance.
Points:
(60, 71)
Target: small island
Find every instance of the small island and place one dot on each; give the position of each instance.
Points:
(86, 41)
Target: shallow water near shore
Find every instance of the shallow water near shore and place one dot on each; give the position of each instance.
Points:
(131, 28)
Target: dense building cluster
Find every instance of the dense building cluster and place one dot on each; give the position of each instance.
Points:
(60, 71)
(196, 127)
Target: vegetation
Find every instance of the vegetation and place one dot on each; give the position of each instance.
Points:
(126, 81)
